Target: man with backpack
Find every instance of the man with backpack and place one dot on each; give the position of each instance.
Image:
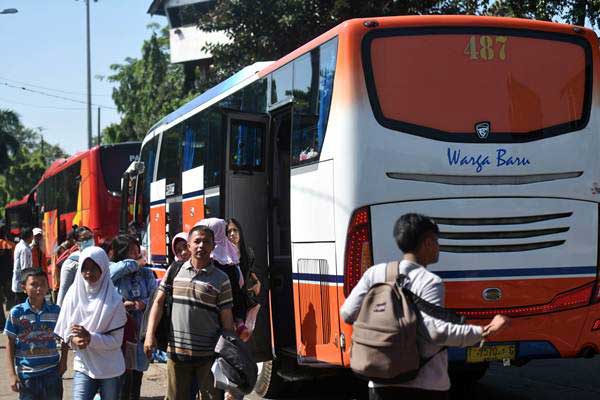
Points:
(427, 378)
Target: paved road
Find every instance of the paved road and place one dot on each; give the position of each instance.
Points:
(576, 379)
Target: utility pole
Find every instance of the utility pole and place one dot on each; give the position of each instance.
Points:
(99, 134)
(89, 75)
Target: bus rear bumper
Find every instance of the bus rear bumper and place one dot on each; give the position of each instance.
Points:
(566, 334)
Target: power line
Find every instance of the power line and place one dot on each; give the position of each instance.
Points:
(54, 96)
(51, 89)
(40, 106)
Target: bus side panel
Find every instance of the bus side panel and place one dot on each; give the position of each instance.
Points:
(192, 185)
(316, 303)
(158, 226)
(313, 264)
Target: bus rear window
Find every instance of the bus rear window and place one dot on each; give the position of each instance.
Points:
(459, 84)
(114, 160)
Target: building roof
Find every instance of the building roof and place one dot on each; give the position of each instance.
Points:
(157, 7)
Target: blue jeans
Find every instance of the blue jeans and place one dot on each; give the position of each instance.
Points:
(85, 388)
(47, 387)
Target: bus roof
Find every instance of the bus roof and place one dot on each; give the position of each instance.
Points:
(17, 203)
(62, 163)
(213, 94)
(262, 69)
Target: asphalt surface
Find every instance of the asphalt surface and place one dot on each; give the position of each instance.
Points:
(574, 379)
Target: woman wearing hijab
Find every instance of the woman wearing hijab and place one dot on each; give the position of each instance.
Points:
(91, 322)
(135, 284)
(180, 247)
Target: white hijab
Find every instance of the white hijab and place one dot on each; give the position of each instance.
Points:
(225, 252)
(97, 307)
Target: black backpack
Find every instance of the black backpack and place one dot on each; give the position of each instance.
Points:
(163, 328)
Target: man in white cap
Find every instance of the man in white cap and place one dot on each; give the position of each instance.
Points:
(38, 256)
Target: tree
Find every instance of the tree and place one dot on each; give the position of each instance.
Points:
(9, 145)
(26, 163)
(269, 29)
(570, 11)
(148, 89)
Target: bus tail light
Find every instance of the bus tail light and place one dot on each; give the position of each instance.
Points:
(575, 298)
(359, 254)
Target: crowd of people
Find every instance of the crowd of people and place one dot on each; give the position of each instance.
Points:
(109, 303)
(115, 316)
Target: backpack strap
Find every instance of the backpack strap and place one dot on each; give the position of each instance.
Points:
(434, 310)
(175, 268)
(392, 271)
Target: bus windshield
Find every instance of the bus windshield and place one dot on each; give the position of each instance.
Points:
(115, 160)
(446, 83)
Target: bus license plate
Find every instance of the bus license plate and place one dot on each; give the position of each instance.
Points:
(491, 353)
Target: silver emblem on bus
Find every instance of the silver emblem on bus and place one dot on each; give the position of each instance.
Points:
(492, 294)
(483, 129)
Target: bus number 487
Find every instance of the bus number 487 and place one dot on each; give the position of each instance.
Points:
(487, 47)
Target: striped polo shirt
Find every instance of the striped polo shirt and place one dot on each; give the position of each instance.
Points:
(36, 351)
(198, 298)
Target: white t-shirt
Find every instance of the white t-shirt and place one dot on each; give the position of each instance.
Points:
(432, 335)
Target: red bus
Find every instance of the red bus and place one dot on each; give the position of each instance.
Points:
(84, 189)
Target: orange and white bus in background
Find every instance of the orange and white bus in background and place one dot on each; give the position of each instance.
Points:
(490, 126)
(83, 189)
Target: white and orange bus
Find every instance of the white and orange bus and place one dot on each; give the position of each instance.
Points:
(489, 125)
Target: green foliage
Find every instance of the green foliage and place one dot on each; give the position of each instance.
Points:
(148, 89)
(151, 87)
(570, 11)
(269, 29)
(26, 162)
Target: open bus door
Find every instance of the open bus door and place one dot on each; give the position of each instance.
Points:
(246, 201)
(129, 192)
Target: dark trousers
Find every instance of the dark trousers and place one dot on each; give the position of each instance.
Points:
(131, 385)
(400, 393)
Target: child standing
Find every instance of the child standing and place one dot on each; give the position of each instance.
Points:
(32, 345)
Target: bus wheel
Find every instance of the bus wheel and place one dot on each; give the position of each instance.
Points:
(269, 384)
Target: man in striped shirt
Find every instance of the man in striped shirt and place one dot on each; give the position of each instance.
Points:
(32, 345)
(202, 303)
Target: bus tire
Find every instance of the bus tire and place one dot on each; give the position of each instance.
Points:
(269, 384)
(467, 373)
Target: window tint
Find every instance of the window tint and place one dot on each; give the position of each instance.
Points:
(189, 14)
(215, 151)
(148, 157)
(114, 161)
(281, 84)
(505, 85)
(254, 99)
(195, 143)
(169, 161)
(246, 146)
(313, 88)
(68, 191)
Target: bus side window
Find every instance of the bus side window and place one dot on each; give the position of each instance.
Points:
(246, 152)
(313, 87)
(148, 157)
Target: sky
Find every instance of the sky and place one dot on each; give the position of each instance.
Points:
(44, 49)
